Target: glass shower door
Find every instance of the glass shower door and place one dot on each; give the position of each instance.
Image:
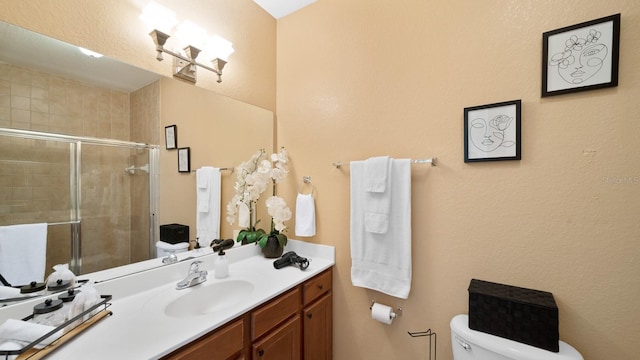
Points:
(114, 206)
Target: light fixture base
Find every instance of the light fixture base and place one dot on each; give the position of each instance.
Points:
(183, 70)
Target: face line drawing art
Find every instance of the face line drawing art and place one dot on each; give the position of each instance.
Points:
(582, 58)
(489, 137)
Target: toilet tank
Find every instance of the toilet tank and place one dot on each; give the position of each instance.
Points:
(469, 344)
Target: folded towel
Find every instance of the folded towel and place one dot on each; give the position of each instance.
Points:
(8, 345)
(203, 191)
(305, 215)
(376, 173)
(202, 177)
(7, 292)
(378, 193)
(25, 332)
(382, 261)
(23, 250)
(207, 205)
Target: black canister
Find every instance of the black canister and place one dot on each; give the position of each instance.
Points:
(49, 312)
(58, 286)
(33, 288)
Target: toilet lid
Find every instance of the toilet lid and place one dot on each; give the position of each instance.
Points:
(166, 246)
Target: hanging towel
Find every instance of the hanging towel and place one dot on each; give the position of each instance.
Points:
(382, 262)
(23, 251)
(305, 215)
(207, 204)
(203, 176)
(376, 172)
(378, 192)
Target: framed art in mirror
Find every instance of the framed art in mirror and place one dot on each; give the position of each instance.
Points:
(492, 132)
(171, 137)
(581, 57)
(184, 160)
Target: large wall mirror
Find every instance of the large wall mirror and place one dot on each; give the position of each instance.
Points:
(116, 114)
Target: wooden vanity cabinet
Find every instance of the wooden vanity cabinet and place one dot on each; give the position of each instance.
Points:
(317, 318)
(295, 325)
(282, 343)
(226, 343)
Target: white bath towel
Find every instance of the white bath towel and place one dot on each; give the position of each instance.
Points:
(378, 192)
(305, 215)
(382, 262)
(25, 332)
(203, 176)
(207, 204)
(7, 292)
(376, 172)
(23, 251)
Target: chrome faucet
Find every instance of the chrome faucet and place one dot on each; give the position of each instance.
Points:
(194, 277)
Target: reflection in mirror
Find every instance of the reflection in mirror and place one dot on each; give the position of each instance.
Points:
(69, 119)
(65, 94)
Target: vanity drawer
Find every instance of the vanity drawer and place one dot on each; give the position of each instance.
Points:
(317, 286)
(275, 312)
(223, 344)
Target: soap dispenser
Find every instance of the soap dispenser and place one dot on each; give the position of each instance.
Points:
(221, 266)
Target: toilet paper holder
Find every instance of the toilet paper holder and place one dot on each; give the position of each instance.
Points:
(432, 336)
(396, 313)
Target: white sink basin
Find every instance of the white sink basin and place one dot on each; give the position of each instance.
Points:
(202, 299)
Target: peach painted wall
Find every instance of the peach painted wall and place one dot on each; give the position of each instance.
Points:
(364, 78)
(220, 132)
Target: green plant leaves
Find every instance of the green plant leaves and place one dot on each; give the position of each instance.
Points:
(248, 236)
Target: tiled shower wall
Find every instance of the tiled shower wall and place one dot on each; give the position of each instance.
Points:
(34, 185)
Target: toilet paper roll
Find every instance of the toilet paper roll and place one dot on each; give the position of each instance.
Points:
(382, 313)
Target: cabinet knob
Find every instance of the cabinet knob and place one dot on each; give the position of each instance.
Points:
(320, 286)
(309, 315)
(260, 352)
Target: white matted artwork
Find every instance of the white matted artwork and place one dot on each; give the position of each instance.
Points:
(581, 57)
(492, 132)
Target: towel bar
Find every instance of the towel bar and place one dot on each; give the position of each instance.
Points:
(431, 161)
(232, 169)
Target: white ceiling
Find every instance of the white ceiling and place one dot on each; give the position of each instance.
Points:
(281, 8)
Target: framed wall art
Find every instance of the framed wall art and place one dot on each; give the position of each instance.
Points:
(171, 137)
(581, 57)
(184, 160)
(492, 132)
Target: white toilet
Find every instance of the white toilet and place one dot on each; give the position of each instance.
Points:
(469, 344)
(163, 248)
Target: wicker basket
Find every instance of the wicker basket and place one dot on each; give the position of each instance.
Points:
(524, 315)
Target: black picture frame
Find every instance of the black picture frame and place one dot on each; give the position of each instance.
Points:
(581, 57)
(492, 132)
(184, 160)
(171, 137)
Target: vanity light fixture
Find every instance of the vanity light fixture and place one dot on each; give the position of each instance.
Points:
(162, 20)
(185, 66)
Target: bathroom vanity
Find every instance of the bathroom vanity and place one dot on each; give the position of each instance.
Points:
(258, 312)
(299, 320)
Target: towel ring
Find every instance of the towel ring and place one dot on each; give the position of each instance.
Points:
(307, 180)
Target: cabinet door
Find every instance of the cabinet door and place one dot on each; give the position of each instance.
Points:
(223, 344)
(283, 343)
(317, 329)
(275, 312)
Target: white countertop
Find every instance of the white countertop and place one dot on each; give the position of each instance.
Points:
(140, 328)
